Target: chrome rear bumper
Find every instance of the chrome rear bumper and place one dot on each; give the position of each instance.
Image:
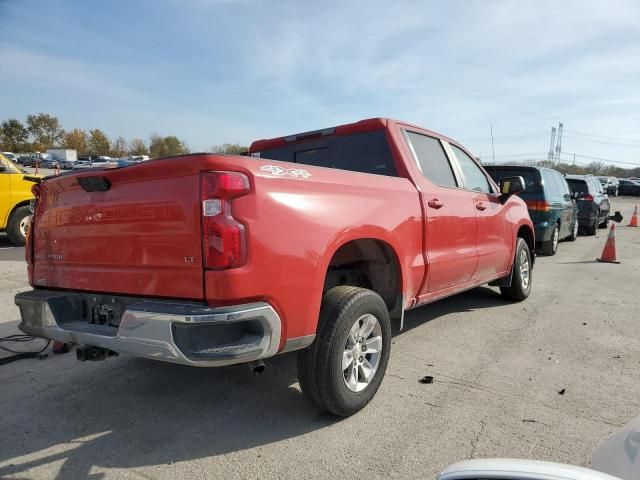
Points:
(179, 332)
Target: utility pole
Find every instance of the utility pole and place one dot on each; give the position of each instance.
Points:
(553, 142)
(559, 144)
(493, 152)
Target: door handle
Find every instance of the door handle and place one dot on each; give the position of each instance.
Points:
(481, 206)
(435, 203)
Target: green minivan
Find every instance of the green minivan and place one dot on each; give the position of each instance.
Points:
(552, 208)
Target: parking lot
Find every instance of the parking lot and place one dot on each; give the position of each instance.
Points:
(498, 369)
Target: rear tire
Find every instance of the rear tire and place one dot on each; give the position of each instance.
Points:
(18, 225)
(343, 368)
(591, 229)
(520, 287)
(574, 232)
(550, 247)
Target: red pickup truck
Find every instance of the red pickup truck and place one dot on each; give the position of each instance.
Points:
(313, 242)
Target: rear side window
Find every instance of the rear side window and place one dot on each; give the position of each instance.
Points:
(474, 177)
(578, 185)
(549, 182)
(366, 152)
(432, 159)
(564, 188)
(532, 179)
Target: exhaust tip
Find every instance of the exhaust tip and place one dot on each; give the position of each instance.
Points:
(257, 367)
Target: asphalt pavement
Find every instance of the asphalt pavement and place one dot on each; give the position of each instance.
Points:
(550, 378)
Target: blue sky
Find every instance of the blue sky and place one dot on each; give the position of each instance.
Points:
(219, 71)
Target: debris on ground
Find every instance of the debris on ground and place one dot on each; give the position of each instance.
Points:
(561, 392)
(426, 379)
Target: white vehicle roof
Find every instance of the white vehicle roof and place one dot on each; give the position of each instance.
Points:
(518, 469)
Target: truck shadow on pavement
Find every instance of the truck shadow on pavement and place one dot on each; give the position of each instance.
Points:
(129, 413)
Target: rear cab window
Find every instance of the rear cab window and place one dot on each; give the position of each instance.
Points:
(365, 152)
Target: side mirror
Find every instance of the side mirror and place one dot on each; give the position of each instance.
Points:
(510, 186)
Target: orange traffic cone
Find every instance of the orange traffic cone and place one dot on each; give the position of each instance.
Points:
(634, 218)
(609, 252)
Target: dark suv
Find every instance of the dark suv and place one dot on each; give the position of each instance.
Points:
(629, 187)
(548, 198)
(593, 203)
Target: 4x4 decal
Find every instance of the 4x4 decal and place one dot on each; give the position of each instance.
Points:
(281, 172)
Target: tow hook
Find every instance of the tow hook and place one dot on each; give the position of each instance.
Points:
(93, 354)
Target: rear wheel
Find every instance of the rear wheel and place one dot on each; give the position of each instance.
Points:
(591, 229)
(342, 370)
(18, 225)
(550, 247)
(520, 287)
(574, 231)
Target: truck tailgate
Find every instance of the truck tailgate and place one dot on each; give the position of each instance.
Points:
(133, 230)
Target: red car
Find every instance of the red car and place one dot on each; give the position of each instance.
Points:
(313, 242)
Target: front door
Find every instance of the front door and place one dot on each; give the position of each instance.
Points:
(450, 226)
(493, 238)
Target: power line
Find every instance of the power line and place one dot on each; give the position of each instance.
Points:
(604, 142)
(603, 136)
(602, 159)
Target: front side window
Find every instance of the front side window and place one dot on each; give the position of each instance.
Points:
(474, 177)
(432, 159)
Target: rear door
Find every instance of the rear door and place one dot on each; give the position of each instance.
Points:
(569, 206)
(450, 226)
(561, 206)
(494, 238)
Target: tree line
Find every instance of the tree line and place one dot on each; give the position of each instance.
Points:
(41, 132)
(594, 168)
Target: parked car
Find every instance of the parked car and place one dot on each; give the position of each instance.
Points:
(610, 185)
(80, 164)
(593, 204)
(552, 209)
(67, 164)
(29, 161)
(313, 243)
(49, 163)
(629, 187)
(15, 195)
(11, 156)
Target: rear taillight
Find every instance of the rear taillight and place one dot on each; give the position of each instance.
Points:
(538, 205)
(223, 237)
(587, 197)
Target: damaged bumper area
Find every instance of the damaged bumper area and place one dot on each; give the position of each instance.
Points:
(180, 332)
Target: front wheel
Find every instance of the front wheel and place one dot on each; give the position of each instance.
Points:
(343, 369)
(520, 287)
(18, 225)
